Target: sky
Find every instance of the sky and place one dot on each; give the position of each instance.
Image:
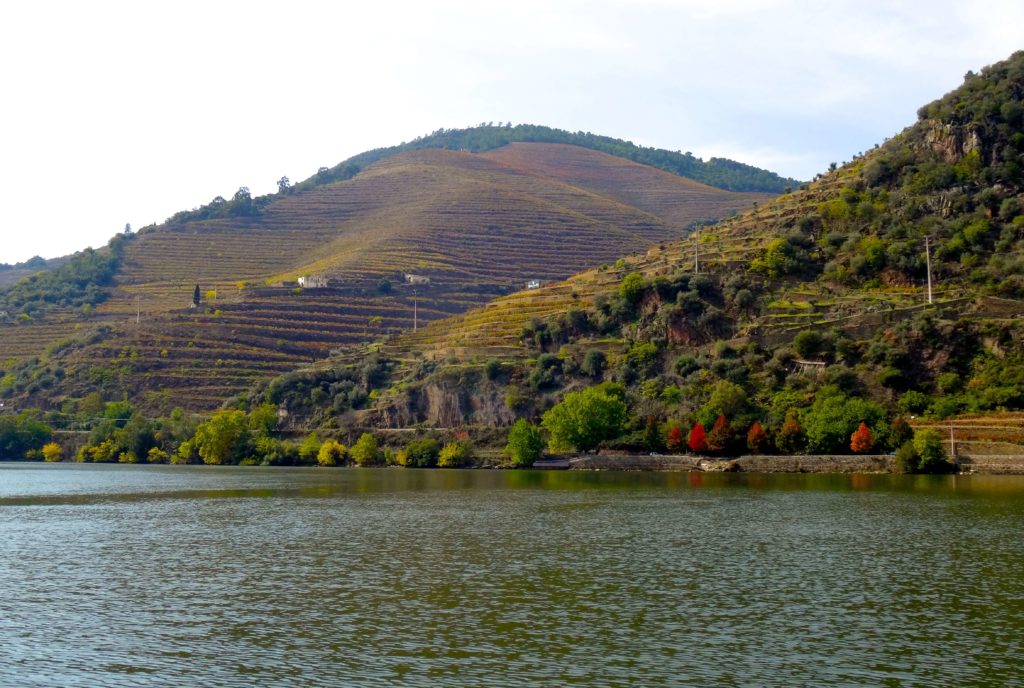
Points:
(127, 112)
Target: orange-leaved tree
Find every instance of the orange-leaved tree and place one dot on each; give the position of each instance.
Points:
(861, 441)
(757, 438)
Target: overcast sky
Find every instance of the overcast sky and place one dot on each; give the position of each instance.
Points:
(126, 112)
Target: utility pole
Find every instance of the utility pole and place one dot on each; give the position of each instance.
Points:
(415, 311)
(952, 442)
(696, 252)
(138, 309)
(928, 261)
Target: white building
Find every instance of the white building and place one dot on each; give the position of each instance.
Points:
(533, 284)
(313, 282)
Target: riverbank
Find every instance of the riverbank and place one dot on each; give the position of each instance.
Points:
(867, 463)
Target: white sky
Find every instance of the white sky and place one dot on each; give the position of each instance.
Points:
(115, 112)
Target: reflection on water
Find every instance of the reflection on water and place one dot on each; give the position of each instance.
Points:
(119, 576)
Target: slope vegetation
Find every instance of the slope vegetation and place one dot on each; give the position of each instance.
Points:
(814, 307)
(475, 225)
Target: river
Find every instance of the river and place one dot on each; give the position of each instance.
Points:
(224, 576)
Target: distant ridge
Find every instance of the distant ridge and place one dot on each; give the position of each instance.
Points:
(721, 173)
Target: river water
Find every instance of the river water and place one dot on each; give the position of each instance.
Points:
(219, 576)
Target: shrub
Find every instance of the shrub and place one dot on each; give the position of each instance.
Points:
(52, 452)
(928, 445)
(309, 449)
(455, 454)
(364, 452)
(594, 363)
(157, 455)
(906, 460)
(331, 453)
(422, 453)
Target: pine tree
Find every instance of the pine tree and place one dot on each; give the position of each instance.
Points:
(721, 433)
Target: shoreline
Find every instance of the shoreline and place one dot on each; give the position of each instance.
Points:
(757, 463)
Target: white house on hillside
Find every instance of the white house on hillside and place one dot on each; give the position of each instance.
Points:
(313, 282)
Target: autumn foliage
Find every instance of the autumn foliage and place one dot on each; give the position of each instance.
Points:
(675, 440)
(861, 441)
(757, 438)
(697, 441)
(721, 433)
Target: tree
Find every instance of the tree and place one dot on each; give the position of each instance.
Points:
(720, 436)
(455, 454)
(224, 438)
(195, 296)
(364, 452)
(861, 441)
(790, 438)
(594, 363)
(697, 441)
(757, 438)
(652, 435)
(833, 417)
(422, 453)
(632, 288)
(928, 445)
(675, 439)
(52, 452)
(524, 444)
(309, 450)
(331, 453)
(283, 184)
(586, 418)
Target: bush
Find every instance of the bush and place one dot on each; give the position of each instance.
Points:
(906, 460)
(309, 449)
(455, 454)
(928, 444)
(422, 453)
(364, 452)
(524, 444)
(52, 452)
(594, 363)
(331, 453)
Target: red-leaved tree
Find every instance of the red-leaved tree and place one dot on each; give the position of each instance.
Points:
(675, 439)
(697, 441)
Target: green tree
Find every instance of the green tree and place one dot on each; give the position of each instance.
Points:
(594, 363)
(422, 453)
(524, 445)
(833, 417)
(365, 451)
(309, 448)
(586, 418)
(932, 453)
(632, 288)
(223, 439)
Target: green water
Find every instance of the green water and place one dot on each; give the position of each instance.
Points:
(126, 576)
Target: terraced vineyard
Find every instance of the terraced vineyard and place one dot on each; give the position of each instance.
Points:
(476, 225)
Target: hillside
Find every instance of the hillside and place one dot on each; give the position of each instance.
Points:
(815, 303)
(119, 320)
